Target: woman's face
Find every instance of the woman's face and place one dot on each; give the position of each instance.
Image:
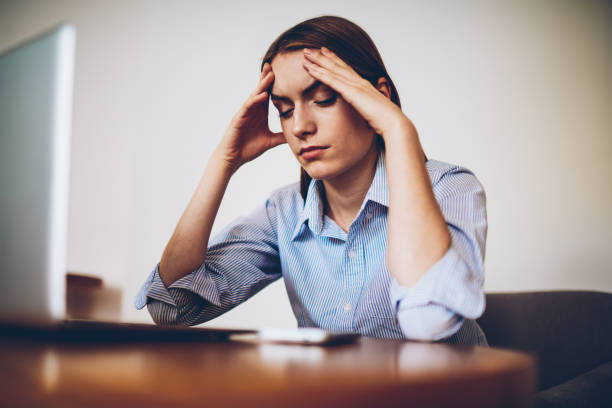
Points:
(326, 134)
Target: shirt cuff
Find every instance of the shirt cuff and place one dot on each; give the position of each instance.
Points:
(202, 283)
(428, 323)
(141, 297)
(153, 288)
(448, 283)
(198, 282)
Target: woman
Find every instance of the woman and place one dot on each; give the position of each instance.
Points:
(376, 238)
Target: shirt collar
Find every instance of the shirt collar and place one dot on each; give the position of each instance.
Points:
(378, 191)
(313, 210)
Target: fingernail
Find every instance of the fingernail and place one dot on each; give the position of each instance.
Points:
(324, 49)
(307, 51)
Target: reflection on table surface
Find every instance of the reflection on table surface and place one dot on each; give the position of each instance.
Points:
(368, 372)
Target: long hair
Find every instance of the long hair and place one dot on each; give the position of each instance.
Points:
(347, 40)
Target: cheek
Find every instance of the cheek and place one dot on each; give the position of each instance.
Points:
(291, 140)
(353, 119)
(342, 119)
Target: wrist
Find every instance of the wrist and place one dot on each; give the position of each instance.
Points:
(401, 129)
(221, 165)
(402, 143)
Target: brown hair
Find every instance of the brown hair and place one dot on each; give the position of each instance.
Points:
(345, 39)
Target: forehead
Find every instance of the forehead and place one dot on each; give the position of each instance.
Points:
(290, 77)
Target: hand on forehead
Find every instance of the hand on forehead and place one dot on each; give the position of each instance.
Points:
(291, 79)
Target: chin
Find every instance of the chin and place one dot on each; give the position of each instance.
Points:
(320, 172)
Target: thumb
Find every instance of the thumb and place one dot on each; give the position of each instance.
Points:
(277, 138)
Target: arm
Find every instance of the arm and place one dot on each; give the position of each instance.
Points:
(435, 242)
(452, 288)
(418, 235)
(240, 261)
(187, 247)
(247, 137)
(182, 272)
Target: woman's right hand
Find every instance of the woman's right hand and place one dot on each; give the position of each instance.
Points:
(248, 134)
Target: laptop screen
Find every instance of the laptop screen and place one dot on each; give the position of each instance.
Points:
(36, 81)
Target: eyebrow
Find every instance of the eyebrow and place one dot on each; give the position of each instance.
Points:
(308, 90)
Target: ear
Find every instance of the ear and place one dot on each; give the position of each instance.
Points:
(383, 87)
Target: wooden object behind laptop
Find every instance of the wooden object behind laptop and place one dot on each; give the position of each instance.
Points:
(87, 297)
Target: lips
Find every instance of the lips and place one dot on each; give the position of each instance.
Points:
(312, 148)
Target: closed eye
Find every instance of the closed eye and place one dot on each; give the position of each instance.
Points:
(285, 113)
(325, 102)
(328, 101)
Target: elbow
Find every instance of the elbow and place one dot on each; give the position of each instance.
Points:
(429, 323)
(162, 314)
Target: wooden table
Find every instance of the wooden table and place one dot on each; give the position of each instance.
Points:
(368, 373)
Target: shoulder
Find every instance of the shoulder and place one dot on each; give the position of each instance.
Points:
(281, 207)
(284, 208)
(451, 179)
(286, 199)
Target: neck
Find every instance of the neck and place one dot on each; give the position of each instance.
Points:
(344, 194)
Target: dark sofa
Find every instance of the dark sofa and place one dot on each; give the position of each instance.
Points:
(569, 333)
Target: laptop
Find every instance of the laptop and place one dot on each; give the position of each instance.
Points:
(36, 81)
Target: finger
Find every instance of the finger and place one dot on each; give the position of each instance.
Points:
(351, 89)
(332, 79)
(263, 76)
(264, 83)
(332, 63)
(260, 97)
(255, 100)
(331, 55)
(266, 68)
(318, 58)
(277, 138)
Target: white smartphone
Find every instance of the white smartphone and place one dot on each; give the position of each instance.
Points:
(306, 335)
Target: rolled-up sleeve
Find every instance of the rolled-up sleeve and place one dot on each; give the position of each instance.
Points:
(240, 261)
(452, 289)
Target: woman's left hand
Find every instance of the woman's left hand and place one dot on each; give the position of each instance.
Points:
(382, 115)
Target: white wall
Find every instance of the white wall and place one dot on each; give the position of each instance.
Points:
(519, 92)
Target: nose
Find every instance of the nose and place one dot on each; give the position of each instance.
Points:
(303, 122)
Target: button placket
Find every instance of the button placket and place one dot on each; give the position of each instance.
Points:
(344, 303)
(353, 282)
(350, 253)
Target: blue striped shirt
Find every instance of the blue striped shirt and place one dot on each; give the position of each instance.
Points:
(339, 280)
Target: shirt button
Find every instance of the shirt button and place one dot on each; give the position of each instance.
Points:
(352, 254)
(369, 216)
(347, 307)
